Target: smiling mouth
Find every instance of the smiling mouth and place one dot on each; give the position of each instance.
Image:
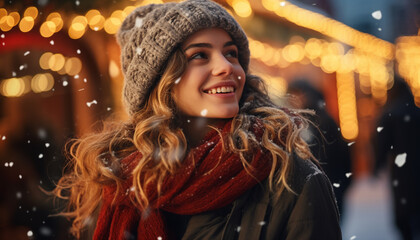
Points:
(220, 90)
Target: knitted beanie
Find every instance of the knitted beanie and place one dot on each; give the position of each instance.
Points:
(150, 34)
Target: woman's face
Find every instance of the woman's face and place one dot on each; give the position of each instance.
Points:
(213, 81)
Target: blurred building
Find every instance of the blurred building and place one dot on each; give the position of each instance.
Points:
(60, 73)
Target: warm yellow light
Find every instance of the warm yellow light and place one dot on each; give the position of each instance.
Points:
(3, 24)
(55, 17)
(293, 53)
(97, 22)
(242, 8)
(365, 83)
(347, 62)
(13, 87)
(78, 27)
(112, 25)
(119, 14)
(347, 105)
(80, 19)
(271, 5)
(31, 12)
(56, 62)
(7, 23)
(257, 49)
(113, 69)
(47, 29)
(129, 9)
(313, 48)
(147, 2)
(16, 17)
(331, 28)
(91, 13)
(73, 66)
(350, 130)
(26, 24)
(277, 86)
(44, 60)
(42, 82)
(3, 12)
(268, 54)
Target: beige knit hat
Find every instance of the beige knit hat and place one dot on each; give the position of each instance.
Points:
(149, 35)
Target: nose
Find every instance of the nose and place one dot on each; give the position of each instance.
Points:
(222, 66)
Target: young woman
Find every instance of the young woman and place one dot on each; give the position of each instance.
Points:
(205, 153)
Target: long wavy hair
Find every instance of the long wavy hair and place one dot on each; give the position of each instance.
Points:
(155, 132)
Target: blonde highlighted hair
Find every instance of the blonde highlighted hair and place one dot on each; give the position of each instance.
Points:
(155, 132)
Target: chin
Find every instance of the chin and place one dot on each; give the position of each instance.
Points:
(223, 114)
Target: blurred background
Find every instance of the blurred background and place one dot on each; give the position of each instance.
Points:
(356, 62)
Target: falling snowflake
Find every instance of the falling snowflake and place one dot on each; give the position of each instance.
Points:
(90, 103)
(21, 67)
(2, 36)
(18, 195)
(407, 118)
(350, 143)
(14, 74)
(82, 89)
(379, 129)
(65, 83)
(204, 112)
(76, 76)
(262, 223)
(139, 22)
(392, 147)
(395, 183)
(348, 174)
(77, 3)
(108, 109)
(47, 145)
(139, 50)
(29, 233)
(45, 231)
(52, 42)
(337, 185)
(84, 80)
(400, 159)
(377, 14)
(379, 29)
(177, 80)
(238, 229)
(353, 237)
(283, 3)
(3, 138)
(403, 201)
(20, 176)
(40, 155)
(26, 53)
(78, 51)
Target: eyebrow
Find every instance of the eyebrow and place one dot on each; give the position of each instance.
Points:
(207, 45)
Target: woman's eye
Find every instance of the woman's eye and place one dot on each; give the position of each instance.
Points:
(199, 55)
(232, 53)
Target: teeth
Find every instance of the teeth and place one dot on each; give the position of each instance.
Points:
(221, 90)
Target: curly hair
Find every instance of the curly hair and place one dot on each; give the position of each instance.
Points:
(156, 134)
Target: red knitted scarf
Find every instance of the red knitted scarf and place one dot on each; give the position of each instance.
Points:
(203, 183)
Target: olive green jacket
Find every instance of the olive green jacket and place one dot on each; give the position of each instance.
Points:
(311, 213)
